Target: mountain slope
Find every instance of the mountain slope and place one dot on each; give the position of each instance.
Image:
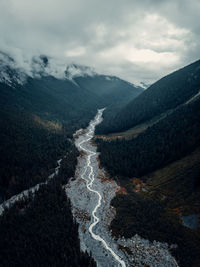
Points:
(112, 89)
(168, 93)
(40, 111)
(164, 142)
(158, 165)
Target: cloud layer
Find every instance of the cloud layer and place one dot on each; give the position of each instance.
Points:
(135, 40)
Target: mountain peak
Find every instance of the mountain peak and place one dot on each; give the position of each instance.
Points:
(10, 74)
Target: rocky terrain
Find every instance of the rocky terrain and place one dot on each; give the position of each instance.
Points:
(130, 252)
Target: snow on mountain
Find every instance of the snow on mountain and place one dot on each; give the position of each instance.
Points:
(10, 74)
(15, 72)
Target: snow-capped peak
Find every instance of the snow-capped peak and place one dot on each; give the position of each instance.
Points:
(13, 73)
(10, 74)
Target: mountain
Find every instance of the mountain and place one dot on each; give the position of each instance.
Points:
(41, 107)
(157, 161)
(113, 90)
(167, 140)
(166, 94)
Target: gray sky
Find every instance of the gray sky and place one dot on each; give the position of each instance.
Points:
(137, 40)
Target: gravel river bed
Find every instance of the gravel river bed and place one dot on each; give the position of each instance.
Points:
(90, 192)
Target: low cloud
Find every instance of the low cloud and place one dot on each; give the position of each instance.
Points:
(135, 40)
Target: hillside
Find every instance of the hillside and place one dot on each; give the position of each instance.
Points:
(157, 164)
(169, 139)
(116, 93)
(40, 111)
(167, 93)
(47, 234)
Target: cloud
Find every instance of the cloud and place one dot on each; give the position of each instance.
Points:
(135, 40)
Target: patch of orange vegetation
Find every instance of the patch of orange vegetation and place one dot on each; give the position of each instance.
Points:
(83, 153)
(138, 184)
(104, 178)
(177, 210)
(47, 124)
(122, 191)
(107, 138)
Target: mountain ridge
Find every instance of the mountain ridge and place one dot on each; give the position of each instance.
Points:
(167, 93)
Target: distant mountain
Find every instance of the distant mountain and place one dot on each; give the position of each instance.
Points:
(114, 91)
(41, 107)
(144, 85)
(167, 93)
(10, 74)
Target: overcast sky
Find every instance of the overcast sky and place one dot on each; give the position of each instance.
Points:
(137, 40)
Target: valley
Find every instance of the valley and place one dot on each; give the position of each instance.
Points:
(94, 213)
(99, 133)
(157, 163)
(127, 174)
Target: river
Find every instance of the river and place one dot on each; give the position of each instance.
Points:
(89, 176)
(91, 192)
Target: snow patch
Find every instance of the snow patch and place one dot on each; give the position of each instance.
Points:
(10, 74)
(16, 72)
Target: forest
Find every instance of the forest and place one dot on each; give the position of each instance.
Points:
(170, 139)
(42, 232)
(47, 234)
(166, 141)
(37, 121)
(29, 151)
(151, 220)
(167, 93)
(39, 117)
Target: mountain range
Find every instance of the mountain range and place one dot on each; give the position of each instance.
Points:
(149, 142)
(164, 95)
(41, 109)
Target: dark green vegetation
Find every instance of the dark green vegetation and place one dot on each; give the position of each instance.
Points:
(38, 117)
(42, 232)
(164, 142)
(36, 121)
(162, 151)
(177, 184)
(167, 93)
(151, 220)
(149, 215)
(115, 92)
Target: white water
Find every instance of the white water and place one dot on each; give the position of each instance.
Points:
(9, 202)
(89, 184)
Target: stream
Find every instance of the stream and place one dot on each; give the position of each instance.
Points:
(91, 191)
(82, 145)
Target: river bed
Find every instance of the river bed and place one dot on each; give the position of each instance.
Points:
(90, 192)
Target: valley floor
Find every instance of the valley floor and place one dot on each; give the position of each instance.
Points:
(134, 251)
